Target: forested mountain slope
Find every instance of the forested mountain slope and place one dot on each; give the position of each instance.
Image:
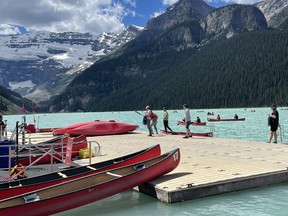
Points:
(12, 102)
(249, 69)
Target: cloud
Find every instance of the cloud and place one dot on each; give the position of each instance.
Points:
(156, 14)
(130, 2)
(165, 4)
(95, 16)
(235, 1)
(169, 2)
(6, 29)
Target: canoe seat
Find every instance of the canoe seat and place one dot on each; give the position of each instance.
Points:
(20, 185)
(139, 167)
(113, 174)
(62, 175)
(92, 168)
(31, 198)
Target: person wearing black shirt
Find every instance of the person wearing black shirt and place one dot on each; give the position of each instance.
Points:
(273, 120)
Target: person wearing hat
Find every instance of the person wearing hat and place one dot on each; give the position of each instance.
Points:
(187, 120)
(149, 118)
(273, 120)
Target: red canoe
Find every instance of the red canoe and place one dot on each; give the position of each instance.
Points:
(218, 120)
(96, 128)
(32, 129)
(17, 187)
(81, 191)
(207, 134)
(59, 145)
(193, 123)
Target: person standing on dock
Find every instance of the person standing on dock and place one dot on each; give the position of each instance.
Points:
(273, 121)
(2, 126)
(154, 118)
(187, 120)
(148, 121)
(165, 120)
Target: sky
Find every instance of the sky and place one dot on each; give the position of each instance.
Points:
(95, 16)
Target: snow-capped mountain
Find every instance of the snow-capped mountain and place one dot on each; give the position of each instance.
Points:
(30, 63)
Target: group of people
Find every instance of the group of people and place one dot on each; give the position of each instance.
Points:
(150, 119)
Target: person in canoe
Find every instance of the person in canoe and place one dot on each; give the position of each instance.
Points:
(198, 120)
(165, 120)
(273, 121)
(235, 116)
(148, 119)
(187, 120)
(19, 171)
(218, 117)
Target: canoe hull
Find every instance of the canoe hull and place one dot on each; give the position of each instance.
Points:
(39, 182)
(94, 192)
(193, 123)
(219, 120)
(207, 134)
(97, 128)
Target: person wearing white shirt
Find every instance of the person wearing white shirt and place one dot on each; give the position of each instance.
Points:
(187, 120)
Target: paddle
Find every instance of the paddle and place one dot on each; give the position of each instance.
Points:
(138, 113)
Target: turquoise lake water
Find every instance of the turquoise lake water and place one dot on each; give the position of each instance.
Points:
(264, 201)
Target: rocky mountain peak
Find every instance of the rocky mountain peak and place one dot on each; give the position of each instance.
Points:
(275, 12)
(271, 7)
(181, 11)
(226, 21)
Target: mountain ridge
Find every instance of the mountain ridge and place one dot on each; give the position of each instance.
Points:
(124, 78)
(31, 62)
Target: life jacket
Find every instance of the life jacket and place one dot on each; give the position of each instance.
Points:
(19, 171)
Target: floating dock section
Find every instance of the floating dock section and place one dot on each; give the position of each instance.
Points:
(208, 166)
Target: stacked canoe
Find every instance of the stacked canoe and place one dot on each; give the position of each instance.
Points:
(57, 192)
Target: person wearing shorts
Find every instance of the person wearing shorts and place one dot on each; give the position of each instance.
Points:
(273, 120)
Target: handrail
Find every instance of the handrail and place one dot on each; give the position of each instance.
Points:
(44, 150)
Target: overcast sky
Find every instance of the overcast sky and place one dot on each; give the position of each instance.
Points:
(95, 16)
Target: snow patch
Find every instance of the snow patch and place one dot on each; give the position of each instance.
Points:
(23, 84)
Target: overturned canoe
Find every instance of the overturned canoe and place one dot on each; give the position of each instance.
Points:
(97, 128)
(17, 187)
(81, 191)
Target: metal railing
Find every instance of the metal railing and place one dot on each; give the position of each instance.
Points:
(57, 152)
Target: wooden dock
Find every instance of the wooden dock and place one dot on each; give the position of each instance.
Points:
(208, 166)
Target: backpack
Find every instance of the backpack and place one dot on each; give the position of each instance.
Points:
(144, 121)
